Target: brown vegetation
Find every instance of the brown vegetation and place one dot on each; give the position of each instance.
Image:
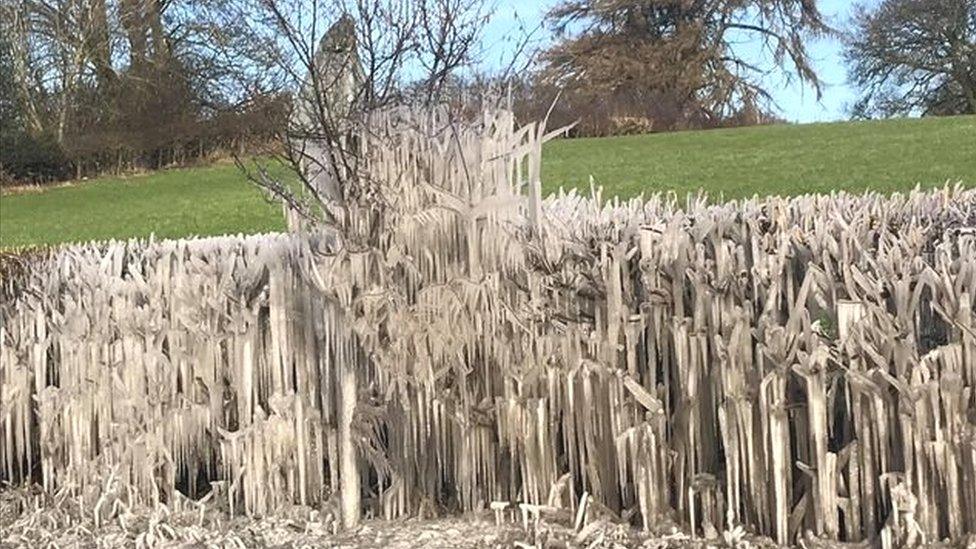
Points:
(675, 63)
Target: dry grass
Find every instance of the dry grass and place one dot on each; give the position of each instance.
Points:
(802, 368)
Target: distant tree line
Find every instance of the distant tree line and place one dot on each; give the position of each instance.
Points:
(117, 85)
(94, 86)
(628, 66)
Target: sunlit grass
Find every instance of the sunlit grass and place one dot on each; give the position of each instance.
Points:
(788, 159)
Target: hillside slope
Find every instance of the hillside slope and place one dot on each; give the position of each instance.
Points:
(887, 155)
(788, 159)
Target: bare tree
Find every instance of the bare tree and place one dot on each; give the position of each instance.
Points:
(344, 61)
(118, 84)
(914, 57)
(54, 44)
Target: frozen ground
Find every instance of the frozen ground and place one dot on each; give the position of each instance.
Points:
(30, 518)
(33, 519)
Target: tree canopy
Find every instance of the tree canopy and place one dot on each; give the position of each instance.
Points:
(914, 57)
(681, 52)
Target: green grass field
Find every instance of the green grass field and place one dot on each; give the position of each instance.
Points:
(788, 159)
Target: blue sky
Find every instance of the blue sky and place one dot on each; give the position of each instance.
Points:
(797, 103)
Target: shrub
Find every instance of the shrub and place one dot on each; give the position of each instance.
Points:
(28, 159)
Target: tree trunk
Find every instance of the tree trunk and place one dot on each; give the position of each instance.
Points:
(101, 48)
(154, 20)
(133, 20)
(969, 88)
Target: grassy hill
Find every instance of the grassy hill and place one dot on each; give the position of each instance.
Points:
(788, 159)
(888, 155)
